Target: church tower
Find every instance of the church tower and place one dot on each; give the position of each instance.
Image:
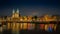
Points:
(15, 13)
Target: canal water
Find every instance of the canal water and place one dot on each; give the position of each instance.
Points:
(29, 28)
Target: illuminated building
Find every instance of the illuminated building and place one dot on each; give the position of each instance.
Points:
(18, 22)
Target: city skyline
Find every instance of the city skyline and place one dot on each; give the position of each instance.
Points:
(29, 16)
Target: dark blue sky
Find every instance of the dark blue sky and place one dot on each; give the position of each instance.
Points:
(30, 7)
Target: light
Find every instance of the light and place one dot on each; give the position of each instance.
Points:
(42, 26)
(21, 25)
(49, 29)
(55, 27)
(24, 25)
(13, 26)
(21, 19)
(31, 26)
(17, 26)
(46, 27)
(8, 25)
(1, 29)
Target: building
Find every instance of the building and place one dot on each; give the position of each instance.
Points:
(18, 22)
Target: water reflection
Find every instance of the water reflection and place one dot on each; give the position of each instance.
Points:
(15, 28)
(1, 29)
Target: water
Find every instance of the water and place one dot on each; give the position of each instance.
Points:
(26, 32)
(14, 28)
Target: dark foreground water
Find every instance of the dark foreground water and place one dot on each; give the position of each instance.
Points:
(28, 32)
(36, 31)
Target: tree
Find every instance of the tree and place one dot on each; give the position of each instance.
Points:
(35, 17)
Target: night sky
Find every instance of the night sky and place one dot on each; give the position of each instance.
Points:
(30, 7)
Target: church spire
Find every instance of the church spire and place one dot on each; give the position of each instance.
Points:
(17, 10)
(13, 11)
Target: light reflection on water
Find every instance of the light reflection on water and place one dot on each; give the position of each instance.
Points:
(1, 29)
(16, 27)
